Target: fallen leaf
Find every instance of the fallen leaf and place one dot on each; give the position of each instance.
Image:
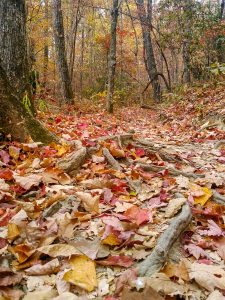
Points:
(59, 250)
(174, 206)
(29, 181)
(216, 295)
(137, 215)
(83, 273)
(176, 270)
(8, 277)
(90, 203)
(13, 231)
(49, 268)
(117, 260)
(201, 194)
(147, 294)
(208, 276)
(196, 251)
(214, 229)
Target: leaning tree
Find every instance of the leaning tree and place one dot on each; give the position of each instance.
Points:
(15, 119)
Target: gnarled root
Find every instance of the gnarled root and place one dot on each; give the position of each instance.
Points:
(155, 261)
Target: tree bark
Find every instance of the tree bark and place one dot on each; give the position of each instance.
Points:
(186, 40)
(59, 36)
(46, 49)
(13, 46)
(151, 68)
(112, 56)
(15, 120)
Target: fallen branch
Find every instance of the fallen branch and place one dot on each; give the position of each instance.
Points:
(111, 160)
(155, 261)
(171, 171)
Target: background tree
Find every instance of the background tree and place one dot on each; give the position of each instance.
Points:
(146, 25)
(112, 55)
(59, 37)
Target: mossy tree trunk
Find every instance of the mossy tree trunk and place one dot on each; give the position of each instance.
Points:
(15, 120)
(13, 46)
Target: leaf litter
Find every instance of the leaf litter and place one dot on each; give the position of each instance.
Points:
(72, 226)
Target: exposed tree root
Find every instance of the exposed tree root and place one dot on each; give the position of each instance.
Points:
(217, 197)
(111, 160)
(155, 261)
(171, 171)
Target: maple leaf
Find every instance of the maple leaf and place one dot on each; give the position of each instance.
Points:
(214, 230)
(196, 251)
(137, 215)
(117, 260)
(125, 278)
(208, 276)
(26, 182)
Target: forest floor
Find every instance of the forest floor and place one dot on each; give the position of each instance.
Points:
(128, 206)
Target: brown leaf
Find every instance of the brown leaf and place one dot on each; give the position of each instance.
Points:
(59, 250)
(90, 203)
(51, 267)
(147, 294)
(7, 277)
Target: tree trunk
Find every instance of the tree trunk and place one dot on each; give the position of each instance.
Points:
(46, 50)
(73, 38)
(13, 46)
(186, 40)
(112, 56)
(151, 68)
(222, 12)
(15, 120)
(59, 36)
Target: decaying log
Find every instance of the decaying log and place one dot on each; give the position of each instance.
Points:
(155, 261)
(73, 161)
(111, 160)
(171, 171)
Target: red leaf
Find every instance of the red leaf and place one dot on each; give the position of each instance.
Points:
(117, 260)
(196, 251)
(214, 229)
(4, 156)
(140, 152)
(137, 215)
(4, 220)
(6, 174)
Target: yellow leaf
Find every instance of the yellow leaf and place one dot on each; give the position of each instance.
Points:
(83, 273)
(111, 240)
(13, 231)
(201, 194)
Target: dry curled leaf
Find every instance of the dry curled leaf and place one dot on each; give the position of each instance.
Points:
(59, 250)
(49, 268)
(90, 203)
(208, 276)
